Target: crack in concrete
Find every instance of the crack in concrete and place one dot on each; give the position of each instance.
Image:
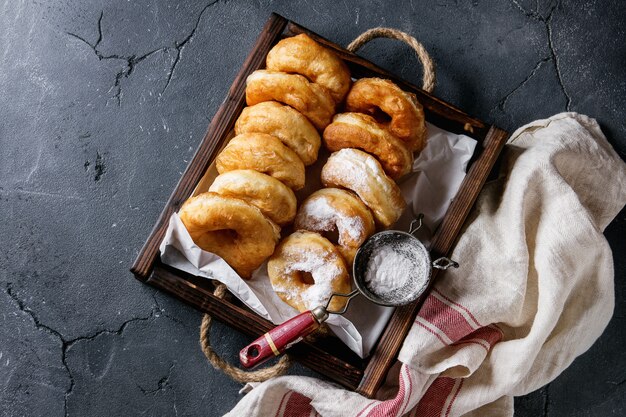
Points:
(50, 330)
(502, 104)
(179, 46)
(162, 383)
(95, 45)
(132, 60)
(532, 14)
(555, 57)
(66, 344)
(547, 21)
(162, 311)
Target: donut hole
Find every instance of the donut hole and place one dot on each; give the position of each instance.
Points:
(228, 235)
(380, 116)
(305, 277)
(332, 235)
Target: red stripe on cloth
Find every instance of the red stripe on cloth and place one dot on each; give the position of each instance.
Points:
(490, 334)
(469, 313)
(433, 401)
(365, 408)
(431, 331)
(410, 391)
(452, 323)
(454, 398)
(391, 407)
(471, 342)
(280, 406)
(298, 405)
(485, 337)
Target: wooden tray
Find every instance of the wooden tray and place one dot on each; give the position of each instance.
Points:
(327, 355)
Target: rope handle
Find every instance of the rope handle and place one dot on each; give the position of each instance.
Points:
(428, 80)
(239, 375)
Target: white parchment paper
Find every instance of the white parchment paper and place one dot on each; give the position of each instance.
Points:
(437, 175)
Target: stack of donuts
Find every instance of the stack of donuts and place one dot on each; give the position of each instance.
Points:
(373, 145)
(290, 102)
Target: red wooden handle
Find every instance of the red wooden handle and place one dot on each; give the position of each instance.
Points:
(277, 340)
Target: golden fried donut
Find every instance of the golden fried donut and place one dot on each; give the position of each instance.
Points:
(359, 172)
(356, 130)
(275, 200)
(287, 124)
(302, 55)
(373, 95)
(264, 153)
(306, 269)
(332, 209)
(230, 228)
(310, 99)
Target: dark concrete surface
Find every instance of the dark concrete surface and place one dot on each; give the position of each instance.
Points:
(102, 103)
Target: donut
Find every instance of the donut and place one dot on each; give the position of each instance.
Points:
(263, 153)
(406, 114)
(287, 124)
(361, 173)
(306, 270)
(310, 99)
(333, 209)
(302, 55)
(230, 228)
(275, 200)
(356, 130)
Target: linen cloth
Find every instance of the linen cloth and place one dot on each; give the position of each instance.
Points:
(534, 290)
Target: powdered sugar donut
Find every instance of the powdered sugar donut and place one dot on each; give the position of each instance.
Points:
(306, 270)
(359, 172)
(332, 209)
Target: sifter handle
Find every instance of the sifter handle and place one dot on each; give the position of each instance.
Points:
(279, 339)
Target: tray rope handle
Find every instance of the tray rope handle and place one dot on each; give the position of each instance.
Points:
(283, 364)
(428, 79)
(239, 375)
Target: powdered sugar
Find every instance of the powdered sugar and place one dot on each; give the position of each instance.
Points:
(324, 272)
(322, 216)
(396, 271)
(352, 166)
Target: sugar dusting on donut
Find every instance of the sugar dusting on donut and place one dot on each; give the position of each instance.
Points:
(324, 274)
(362, 173)
(322, 216)
(354, 170)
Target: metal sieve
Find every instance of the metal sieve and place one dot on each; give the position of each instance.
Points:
(279, 339)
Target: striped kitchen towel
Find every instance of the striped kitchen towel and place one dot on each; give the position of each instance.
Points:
(534, 290)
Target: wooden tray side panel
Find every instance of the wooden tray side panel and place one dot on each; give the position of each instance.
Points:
(221, 124)
(401, 321)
